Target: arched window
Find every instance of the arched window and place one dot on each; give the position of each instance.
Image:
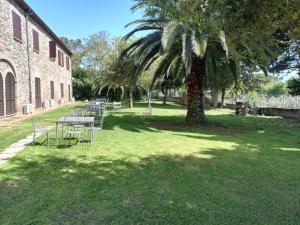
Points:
(10, 94)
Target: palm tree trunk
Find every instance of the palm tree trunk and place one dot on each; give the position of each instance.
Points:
(214, 97)
(149, 98)
(195, 92)
(223, 97)
(130, 97)
(165, 96)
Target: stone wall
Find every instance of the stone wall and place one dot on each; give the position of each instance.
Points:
(14, 58)
(12, 53)
(286, 113)
(230, 106)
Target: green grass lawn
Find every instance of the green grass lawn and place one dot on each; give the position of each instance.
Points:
(10, 134)
(234, 170)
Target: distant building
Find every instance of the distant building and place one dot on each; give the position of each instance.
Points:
(35, 66)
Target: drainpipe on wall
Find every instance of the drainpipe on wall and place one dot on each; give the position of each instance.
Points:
(27, 14)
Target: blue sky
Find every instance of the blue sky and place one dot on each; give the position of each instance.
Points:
(80, 18)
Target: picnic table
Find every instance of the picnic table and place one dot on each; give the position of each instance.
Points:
(74, 120)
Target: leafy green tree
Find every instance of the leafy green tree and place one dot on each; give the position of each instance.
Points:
(144, 83)
(96, 48)
(82, 84)
(77, 48)
(251, 81)
(294, 86)
(276, 89)
(114, 76)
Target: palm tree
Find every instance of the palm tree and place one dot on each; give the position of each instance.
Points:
(183, 35)
(115, 77)
(170, 81)
(181, 46)
(118, 79)
(109, 80)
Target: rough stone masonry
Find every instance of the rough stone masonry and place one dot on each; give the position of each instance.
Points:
(21, 64)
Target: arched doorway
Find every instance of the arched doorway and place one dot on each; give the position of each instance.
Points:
(1, 96)
(10, 94)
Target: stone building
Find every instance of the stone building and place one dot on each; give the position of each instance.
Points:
(35, 66)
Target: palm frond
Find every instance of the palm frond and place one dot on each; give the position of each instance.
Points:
(169, 35)
(145, 3)
(187, 51)
(144, 21)
(199, 45)
(222, 38)
(164, 65)
(142, 27)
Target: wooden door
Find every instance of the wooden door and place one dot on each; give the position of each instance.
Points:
(38, 95)
(1, 97)
(10, 94)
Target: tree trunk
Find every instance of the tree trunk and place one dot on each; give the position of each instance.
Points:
(223, 97)
(214, 97)
(149, 98)
(130, 97)
(195, 92)
(165, 96)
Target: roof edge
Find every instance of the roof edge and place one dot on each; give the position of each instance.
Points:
(36, 18)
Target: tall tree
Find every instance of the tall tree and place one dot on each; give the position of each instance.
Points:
(209, 38)
(77, 48)
(115, 76)
(97, 47)
(294, 86)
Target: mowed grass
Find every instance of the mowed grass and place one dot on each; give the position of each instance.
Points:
(234, 170)
(15, 131)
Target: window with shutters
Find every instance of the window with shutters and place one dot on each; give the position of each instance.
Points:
(17, 26)
(52, 50)
(52, 89)
(36, 41)
(62, 92)
(67, 63)
(59, 57)
(62, 60)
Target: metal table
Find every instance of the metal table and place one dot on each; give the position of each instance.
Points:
(74, 120)
(94, 108)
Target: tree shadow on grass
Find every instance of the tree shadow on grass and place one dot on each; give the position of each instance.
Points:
(157, 105)
(209, 187)
(249, 133)
(131, 123)
(256, 181)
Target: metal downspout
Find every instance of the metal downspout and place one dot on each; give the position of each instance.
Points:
(27, 14)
